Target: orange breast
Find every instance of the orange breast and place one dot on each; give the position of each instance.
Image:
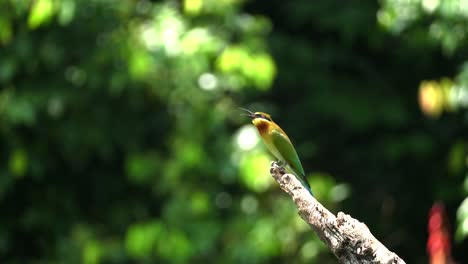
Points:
(262, 128)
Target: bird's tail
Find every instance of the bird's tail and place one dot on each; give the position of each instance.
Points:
(302, 178)
(308, 188)
(305, 183)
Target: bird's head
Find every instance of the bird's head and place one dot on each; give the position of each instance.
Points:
(260, 119)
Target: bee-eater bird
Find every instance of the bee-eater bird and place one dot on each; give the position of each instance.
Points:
(278, 143)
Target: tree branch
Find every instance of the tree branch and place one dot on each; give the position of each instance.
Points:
(350, 240)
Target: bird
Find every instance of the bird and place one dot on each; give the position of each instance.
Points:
(279, 144)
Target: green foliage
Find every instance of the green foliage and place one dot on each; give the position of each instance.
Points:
(122, 142)
(445, 24)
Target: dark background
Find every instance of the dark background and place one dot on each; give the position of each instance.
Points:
(122, 142)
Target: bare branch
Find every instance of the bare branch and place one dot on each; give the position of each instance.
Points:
(350, 240)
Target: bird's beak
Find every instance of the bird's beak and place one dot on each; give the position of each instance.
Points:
(248, 114)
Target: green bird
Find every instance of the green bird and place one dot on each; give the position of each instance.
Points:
(279, 144)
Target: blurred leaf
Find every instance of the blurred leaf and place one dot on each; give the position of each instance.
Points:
(18, 163)
(462, 221)
(322, 185)
(263, 237)
(262, 70)
(6, 30)
(122, 118)
(92, 253)
(66, 11)
(193, 7)
(200, 203)
(41, 12)
(456, 158)
(8, 69)
(254, 171)
(140, 241)
(175, 241)
(256, 68)
(142, 167)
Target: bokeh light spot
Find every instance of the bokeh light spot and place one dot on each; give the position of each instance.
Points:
(339, 192)
(223, 200)
(249, 204)
(55, 107)
(462, 217)
(309, 250)
(149, 37)
(75, 75)
(207, 81)
(41, 12)
(430, 98)
(430, 5)
(193, 7)
(247, 138)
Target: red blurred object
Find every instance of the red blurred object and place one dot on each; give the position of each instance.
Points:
(438, 243)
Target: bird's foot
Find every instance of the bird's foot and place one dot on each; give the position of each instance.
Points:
(277, 167)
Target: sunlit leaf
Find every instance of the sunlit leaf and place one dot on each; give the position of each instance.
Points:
(193, 7)
(41, 12)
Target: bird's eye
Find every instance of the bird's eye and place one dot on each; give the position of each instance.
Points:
(263, 117)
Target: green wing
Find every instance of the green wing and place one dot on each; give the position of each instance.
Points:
(289, 155)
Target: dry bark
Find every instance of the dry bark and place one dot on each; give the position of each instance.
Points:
(350, 240)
